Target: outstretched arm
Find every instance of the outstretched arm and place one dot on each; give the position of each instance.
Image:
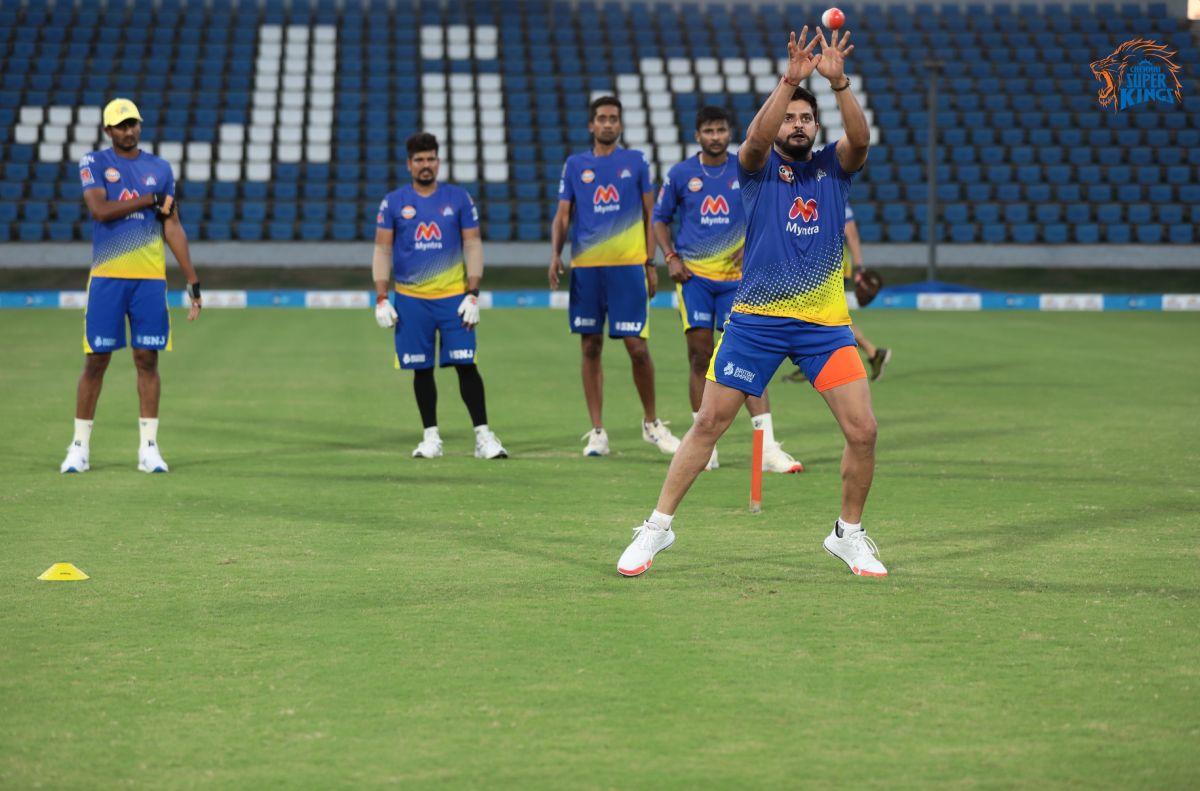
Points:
(760, 135)
(852, 148)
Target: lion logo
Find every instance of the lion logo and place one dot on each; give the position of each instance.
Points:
(1138, 71)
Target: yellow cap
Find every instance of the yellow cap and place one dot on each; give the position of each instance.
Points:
(119, 110)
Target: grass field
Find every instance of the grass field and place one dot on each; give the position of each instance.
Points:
(300, 604)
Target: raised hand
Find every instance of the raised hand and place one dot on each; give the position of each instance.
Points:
(801, 61)
(831, 63)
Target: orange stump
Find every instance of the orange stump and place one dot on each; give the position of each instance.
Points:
(756, 473)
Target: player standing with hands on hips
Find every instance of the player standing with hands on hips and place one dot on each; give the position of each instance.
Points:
(131, 197)
(790, 303)
(427, 237)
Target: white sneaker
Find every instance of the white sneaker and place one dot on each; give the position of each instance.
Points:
(857, 551)
(775, 459)
(597, 442)
(657, 433)
(77, 458)
(430, 449)
(150, 460)
(648, 541)
(487, 446)
(713, 464)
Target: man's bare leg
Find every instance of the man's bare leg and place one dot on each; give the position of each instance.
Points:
(643, 374)
(868, 348)
(700, 352)
(148, 383)
(718, 408)
(851, 406)
(593, 376)
(87, 394)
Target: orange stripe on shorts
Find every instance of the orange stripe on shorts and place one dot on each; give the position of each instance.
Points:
(843, 366)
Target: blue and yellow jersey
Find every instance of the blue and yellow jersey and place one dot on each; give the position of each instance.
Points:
(847, 262)
(132, 246)
(795, 230)
(427, 250)
(712, 222)
(606, 212)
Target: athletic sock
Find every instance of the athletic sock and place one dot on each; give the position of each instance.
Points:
(83, 432)
(148, 428)
(661, 520)
(425, 390)
(431, 433)
(764, 422)
(470, 387)
(844, 528)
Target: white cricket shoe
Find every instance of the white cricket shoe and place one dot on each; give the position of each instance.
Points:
(487, 446)
(713, 464)
(648, 541)
(856, 550)
(430, 449)
(77, 458)
(150, 460)
(657, 433)
(597, 442)
(775, 459)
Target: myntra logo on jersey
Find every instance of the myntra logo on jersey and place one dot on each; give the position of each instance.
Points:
(714, 211)
(128, 194)
(805, 210)
(428, 236)
(606, 199)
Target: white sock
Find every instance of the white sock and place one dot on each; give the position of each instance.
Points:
(481, 430)
(148, 428)
(848, 527)
(83, 432)
(661, 520)
(694, 416)
(764, 422)
(431, 433)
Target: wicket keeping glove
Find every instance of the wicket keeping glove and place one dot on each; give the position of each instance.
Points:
(468, 309)
(385, 314)
(866, 285)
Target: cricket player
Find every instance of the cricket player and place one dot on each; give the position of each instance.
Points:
(790, 302)
(605, 198)
(131, 197)
(705, 261)
(427, 238)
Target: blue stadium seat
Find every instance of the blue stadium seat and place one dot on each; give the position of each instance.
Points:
(1118, 233)
(1181, 234)
(1087, 233)
(993, 234)
(1150, 233)
(1055, 233)
(1024, 233)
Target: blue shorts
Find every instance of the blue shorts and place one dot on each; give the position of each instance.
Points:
(705, 304)
(619, 292)
(111, 299)
(420, 320)
(753, 346)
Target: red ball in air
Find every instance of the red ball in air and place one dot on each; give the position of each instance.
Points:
(833, 19)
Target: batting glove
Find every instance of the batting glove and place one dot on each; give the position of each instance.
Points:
(385, 314)
(468, 310)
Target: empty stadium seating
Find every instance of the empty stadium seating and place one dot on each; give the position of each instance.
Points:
(286, 120)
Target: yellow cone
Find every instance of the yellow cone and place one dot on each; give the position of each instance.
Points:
(62, 572)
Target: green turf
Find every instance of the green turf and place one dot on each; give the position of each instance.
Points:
(300, 604)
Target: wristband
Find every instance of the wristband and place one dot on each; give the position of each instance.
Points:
(473, 292)
(789, 82)
(844, 87)
(193, 290)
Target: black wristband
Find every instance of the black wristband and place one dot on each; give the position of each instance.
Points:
(473, 292)
(193, 290)
(844, 87)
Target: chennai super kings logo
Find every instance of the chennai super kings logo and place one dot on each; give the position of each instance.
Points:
(1138, 72)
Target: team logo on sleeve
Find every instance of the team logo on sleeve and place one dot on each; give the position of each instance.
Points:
(695, 184)
(408, 212)
(112, 175)
(606, 199)
(86, 176)
(587, 176)
(786, 174)
(428, 236)
(714, 210)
